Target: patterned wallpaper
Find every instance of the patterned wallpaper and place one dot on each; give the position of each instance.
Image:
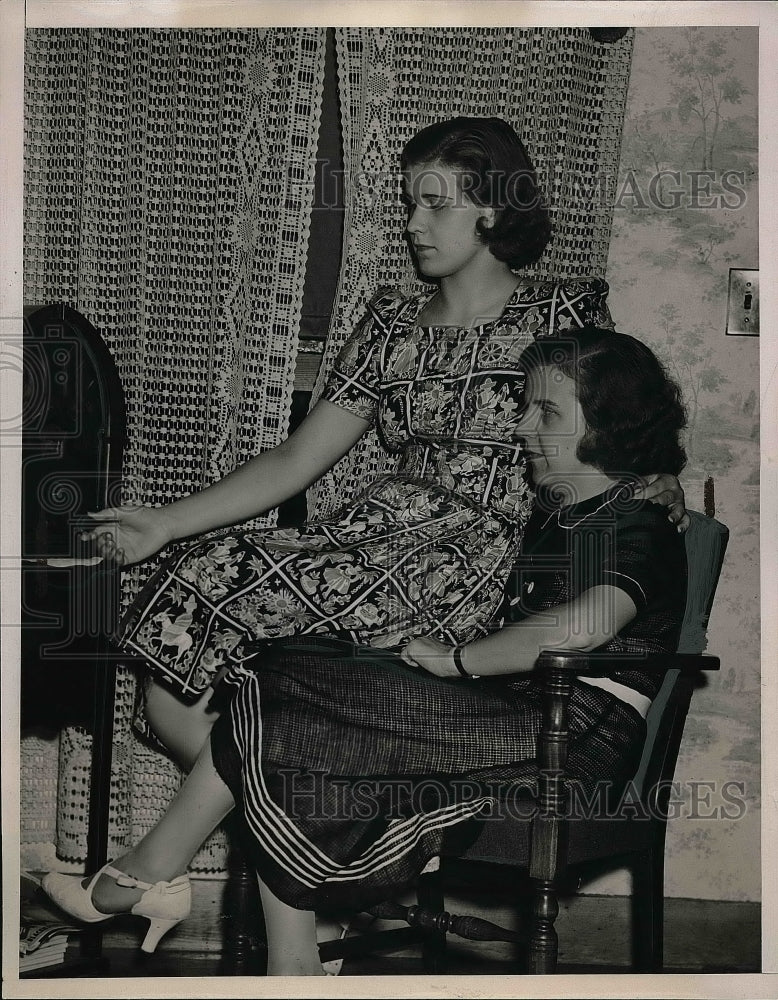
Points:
(686, 212)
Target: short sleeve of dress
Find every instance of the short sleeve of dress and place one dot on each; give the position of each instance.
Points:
(354, 380)
(639, 555)
(575, 303)
(593, 307)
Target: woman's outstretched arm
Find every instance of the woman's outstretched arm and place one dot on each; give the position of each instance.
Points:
(132, 534)
(581, 624)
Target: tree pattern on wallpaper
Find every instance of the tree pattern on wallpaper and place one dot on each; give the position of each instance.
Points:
(686, 211)
(687, 169)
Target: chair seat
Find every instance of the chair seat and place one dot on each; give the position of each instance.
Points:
(505, 840)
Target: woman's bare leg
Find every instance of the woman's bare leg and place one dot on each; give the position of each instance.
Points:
(198, 807)
(291, 937)
(165, 851)
(184, 729)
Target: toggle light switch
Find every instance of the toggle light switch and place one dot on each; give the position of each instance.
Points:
(743, 303)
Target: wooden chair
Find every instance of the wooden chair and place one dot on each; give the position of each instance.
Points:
(73, 434)
(546, 845)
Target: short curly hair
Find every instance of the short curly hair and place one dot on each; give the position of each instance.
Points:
(499, 174)
(633, 409)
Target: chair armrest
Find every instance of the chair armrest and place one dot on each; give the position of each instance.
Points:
(598, 664)
(559, 669)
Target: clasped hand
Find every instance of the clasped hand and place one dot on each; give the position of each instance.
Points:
(431, 655)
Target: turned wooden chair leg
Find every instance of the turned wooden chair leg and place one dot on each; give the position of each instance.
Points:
(434, 945)
(648, 911)
(548, 837)
(244, 946)
(544, 942)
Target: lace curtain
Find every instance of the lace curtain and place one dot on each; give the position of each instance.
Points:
(168, 186)
(185, 245)
(562, 91)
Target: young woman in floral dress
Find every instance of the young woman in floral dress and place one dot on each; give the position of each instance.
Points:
(422, 553)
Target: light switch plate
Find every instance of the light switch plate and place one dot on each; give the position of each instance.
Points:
(743, 303)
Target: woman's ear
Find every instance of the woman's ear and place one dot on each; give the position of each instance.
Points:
(486, 218)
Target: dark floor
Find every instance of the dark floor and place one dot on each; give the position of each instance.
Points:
(126, 963)
(701, 936)
(131, 963)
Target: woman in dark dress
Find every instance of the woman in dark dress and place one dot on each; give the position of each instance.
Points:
(350, 765)
(366, 763)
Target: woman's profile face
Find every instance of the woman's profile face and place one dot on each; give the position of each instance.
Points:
(442, 220)
(552, 426)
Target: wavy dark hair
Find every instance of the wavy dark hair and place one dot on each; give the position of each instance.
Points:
(496, 173)
(633, 409)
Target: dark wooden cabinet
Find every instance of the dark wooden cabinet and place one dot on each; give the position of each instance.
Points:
(73, 434)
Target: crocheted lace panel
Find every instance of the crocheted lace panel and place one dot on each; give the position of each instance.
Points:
(168, 195)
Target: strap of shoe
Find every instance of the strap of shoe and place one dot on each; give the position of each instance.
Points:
(125, 880)
(129, 881)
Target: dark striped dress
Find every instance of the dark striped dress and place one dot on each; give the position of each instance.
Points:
(351, 769)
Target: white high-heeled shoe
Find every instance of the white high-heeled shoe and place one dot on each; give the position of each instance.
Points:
(163, 904)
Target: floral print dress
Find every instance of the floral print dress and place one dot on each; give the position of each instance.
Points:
(423, 551)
